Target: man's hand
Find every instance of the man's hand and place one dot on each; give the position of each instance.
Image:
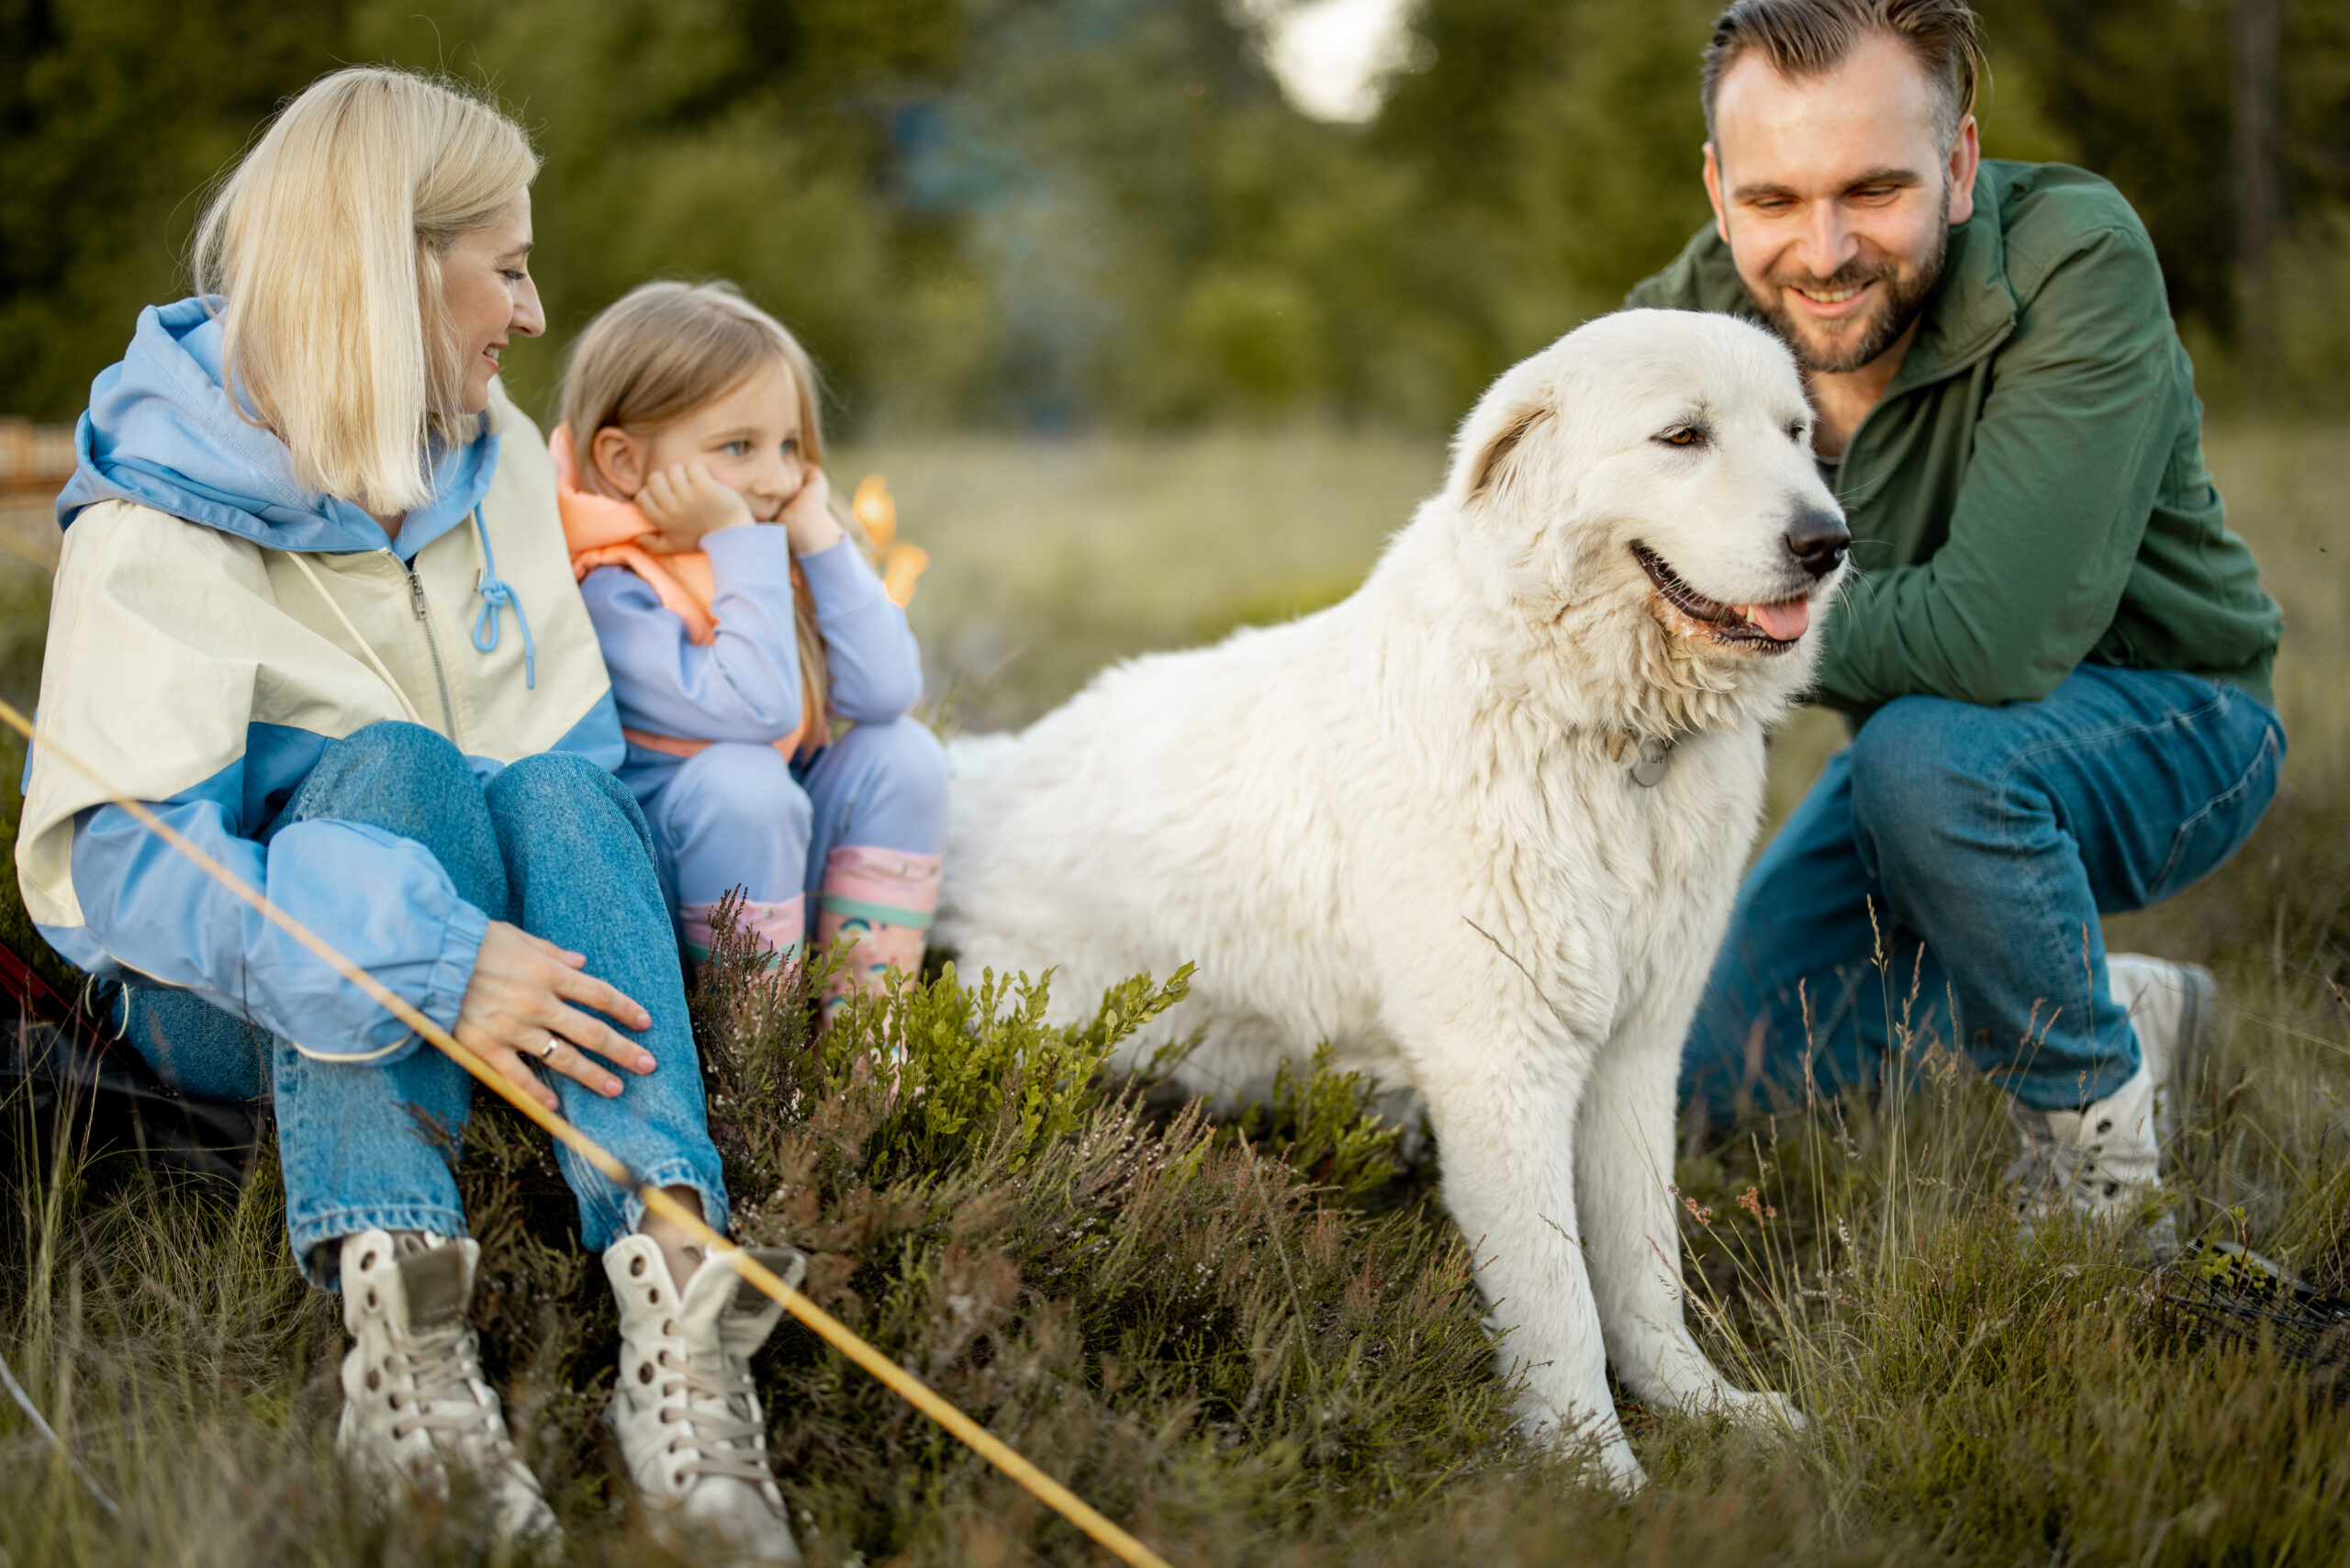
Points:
(517, 1004)
(808, 518)
(684, 502)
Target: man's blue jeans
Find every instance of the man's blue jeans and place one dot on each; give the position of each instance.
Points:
(1974, 848)
(553, 844)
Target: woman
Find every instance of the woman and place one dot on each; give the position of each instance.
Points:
(314, 605)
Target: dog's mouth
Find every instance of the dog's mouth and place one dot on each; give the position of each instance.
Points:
(1764, 628)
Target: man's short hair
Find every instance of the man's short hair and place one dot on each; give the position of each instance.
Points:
(1812, 38)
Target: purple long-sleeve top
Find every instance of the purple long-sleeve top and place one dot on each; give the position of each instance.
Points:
(745, 685)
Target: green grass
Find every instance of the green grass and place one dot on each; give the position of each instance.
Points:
(1050, 559)
(1257, 1343)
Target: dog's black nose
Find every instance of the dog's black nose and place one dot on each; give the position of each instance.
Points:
(1818, 540)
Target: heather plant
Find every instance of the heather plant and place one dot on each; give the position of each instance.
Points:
(1204, 1335)
(1133, 1302)
(1326, 1123)
(1249, 1335)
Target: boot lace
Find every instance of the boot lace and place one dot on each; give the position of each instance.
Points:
(2044, 1173)
(2050, 1171)
(442, 1402)
(719, 1410)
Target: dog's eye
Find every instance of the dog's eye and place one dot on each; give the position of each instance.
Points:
(1794, 433)
(1684, 435)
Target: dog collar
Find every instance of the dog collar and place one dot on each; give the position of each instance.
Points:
(1649, 757)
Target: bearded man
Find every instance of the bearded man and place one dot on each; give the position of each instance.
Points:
(2055, 658)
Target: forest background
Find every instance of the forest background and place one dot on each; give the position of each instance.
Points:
(1076, 216)
(1145, 351)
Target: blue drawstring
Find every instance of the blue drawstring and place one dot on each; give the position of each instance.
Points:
(495, 595)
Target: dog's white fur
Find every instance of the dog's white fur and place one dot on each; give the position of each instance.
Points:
(1405, 825)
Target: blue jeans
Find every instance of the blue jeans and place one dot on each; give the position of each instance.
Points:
(1974, 847)
(553, 844)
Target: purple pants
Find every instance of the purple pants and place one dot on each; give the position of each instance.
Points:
(861, 827)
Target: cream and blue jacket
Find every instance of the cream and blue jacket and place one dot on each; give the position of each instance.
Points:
(215, 627)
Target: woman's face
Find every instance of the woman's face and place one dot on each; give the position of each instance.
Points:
(487, 290)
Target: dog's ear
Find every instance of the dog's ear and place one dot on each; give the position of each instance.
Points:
(1489, 468)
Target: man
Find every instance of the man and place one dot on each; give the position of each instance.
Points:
(2056, 656)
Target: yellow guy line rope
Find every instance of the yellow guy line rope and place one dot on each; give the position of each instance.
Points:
(1070, 1506)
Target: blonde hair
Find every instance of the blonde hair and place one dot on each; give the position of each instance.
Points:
(663, 351)
(326, 243)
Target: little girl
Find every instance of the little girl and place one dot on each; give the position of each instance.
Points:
(740, 622)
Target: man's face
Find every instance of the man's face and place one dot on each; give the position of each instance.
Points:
(1837, 197)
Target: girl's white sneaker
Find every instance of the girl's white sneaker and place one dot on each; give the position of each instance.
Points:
(414, 1406)
(687, 1415)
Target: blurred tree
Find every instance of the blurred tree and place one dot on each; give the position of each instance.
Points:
(1058, 213)
(744, 138)
(112, 114)
(1557, 152)
(2141, 91)
(1129, 170)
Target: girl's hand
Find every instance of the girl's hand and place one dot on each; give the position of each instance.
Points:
(684, 502)
(518, 1004)
(808, 518)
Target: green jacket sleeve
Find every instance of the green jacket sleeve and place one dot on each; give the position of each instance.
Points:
(2066, 462)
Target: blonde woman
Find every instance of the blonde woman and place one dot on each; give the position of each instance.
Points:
(315, 607)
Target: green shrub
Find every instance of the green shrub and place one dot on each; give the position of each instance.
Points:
(1326, 1124)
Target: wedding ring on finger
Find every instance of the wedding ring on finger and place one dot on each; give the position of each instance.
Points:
(546, 1052)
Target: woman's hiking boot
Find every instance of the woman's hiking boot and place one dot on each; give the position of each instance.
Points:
(687, 1415)
(415, 1409)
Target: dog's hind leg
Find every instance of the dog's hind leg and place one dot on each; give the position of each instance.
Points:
(1631, 1234)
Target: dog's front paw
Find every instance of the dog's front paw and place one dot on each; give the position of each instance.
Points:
(1605, 1457)
(1613, 1465)
(1765, 1409)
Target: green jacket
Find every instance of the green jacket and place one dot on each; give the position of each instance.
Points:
(2030, 492)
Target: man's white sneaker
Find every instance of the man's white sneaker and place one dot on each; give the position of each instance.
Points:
(2100, 1160)
(414, 1406)
(2171, 1011)
(685, 1411)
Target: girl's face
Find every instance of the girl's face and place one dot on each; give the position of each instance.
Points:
(486, 292)
(749, 440)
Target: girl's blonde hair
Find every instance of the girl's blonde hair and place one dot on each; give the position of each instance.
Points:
(327, 243)
(664, 350)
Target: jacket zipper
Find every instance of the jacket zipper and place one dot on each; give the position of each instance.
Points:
(432, 645)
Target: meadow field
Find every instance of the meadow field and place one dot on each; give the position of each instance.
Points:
(1254, 1340)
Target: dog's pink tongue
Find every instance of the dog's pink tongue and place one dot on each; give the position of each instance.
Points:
(1785, 621)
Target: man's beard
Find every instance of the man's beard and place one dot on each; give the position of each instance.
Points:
(1898, 305)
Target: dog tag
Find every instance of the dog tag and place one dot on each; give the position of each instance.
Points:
(1654, 762)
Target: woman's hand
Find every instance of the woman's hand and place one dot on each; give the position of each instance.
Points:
(517, 1004)
(685, 502)
(808, 518)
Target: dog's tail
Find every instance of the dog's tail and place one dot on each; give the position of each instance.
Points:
(977, 767)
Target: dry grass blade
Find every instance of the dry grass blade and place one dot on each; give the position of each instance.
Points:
(830, 1328)
(1094, 1274)
(41, 1424)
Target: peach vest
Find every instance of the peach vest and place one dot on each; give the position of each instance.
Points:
(601, 530)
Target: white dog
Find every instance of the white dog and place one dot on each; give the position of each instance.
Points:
(1478, 826)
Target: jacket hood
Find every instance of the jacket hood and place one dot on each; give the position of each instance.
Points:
(163, 432)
